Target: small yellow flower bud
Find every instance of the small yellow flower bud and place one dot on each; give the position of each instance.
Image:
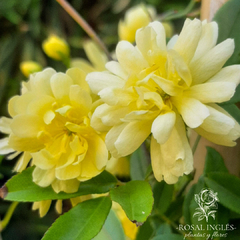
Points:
(28, 67)
(135, 18)
(56, 48)
(168, 29)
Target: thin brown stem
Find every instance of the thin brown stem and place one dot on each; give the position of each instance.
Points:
(79, 19)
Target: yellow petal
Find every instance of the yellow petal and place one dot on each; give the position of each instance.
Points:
(22, 162)
(68, 172)
(43, 159)
(100, 80)
(79, 78)
(156, 160)
(4, 147)
(115, 68)
(43, 207)
(97, 152)
(80, 98)
(114, 96)
(167, 86)
(26, 126)
(40, 83)
(105, 116)
(82, 64)
(24, 144)
(130, 58)
(205, 67)
(43, 178)
(39, 106)
(208, 39)
(211, 92)
(60, 85)
(229, 74)
(180, 66)
(68, 186)
(192, 111)
(5, 125)
(95, 55)
(19, 104)
(59, 206)
(141, 115)
(188, 39)
(132, 136)
(221, 138)
(162, 126)
(217, 122)
(111, 138)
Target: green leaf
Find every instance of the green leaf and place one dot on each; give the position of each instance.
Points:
(228, 19)
(227, 187)
(233, 110)
(22, 188)
(187, 213)
(163, 194)
(164, 228)
(138, 164)
(171, 236)
(136, 199)
(83, 222)
(174, 211)
(112, 229)
(214, 162)
(145, 231)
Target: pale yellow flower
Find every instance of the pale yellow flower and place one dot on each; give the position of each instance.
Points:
(136, 17)
(156, 88)
(56, 48)
(29, 67)
(51, 123)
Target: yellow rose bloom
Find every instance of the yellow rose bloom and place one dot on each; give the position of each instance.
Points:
(56, 48)
(136, 17)
(29, 67)
(158, 88)
(50, 123)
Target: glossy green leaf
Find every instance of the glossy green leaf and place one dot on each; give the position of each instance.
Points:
(135, 198)
(171, 236)
(163, 228)
(163, 194)
(83, 222)
(145, 231)
(138, 164)
(112, 229)
(227, 187)
(187, 213)
(228, 19)
(22, 188)
(214, 162)
(174, 211)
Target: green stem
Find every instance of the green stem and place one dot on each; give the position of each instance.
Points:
(196, 144)
(79, 19)
(180, 14)
(8, 216)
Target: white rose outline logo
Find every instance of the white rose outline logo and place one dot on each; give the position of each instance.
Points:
(207, 202)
